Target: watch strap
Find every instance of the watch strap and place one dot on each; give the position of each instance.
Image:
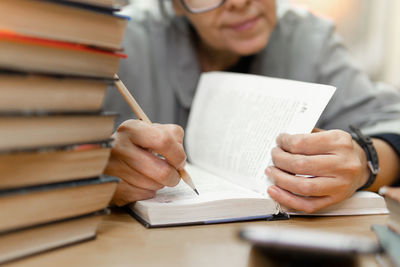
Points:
(365, 142)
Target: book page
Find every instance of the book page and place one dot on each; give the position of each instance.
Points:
(235, 119)
(210, 187)
(361, 203)
(219, 200)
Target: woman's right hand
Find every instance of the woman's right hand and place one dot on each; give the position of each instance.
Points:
(132, 160)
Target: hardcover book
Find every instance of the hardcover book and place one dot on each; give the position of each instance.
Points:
(233, 124)
(32, 54)
(28, 92)
(28, 206)
(45, 165)
(31, 130)
(31, 240)
(58, 21)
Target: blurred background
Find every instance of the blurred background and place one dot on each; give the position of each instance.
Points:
(370, 30)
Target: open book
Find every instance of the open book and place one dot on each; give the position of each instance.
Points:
(233, 124)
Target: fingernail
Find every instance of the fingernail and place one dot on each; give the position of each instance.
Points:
(383, 190)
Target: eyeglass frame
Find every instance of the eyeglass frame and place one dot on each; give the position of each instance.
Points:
(202, 10)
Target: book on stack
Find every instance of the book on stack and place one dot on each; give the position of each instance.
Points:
(71, 21)
(50, 93)
(58, 59)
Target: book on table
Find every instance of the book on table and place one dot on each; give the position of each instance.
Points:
(34, 239)
(232, 127)
(64, 21)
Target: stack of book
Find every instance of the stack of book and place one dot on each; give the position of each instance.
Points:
(58, 58)
(389, 234)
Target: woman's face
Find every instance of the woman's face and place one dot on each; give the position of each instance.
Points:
(241, 27)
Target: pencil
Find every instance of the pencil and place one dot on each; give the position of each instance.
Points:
(143, 117)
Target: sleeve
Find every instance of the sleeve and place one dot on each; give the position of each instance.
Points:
(373, 107)
(394, 141)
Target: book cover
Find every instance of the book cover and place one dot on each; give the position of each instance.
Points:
(28, 206)
(48, 236)
(25, 92)
(44, 165)
(32, 54)
(64, 21)
(50, 129)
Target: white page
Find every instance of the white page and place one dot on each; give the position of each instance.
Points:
(235, 119)
(361, 203)
(210, 187)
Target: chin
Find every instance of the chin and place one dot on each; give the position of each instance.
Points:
(249, 47)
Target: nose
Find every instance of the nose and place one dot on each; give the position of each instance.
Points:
(238, 4)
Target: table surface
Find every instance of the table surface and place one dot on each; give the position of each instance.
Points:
(122, 241)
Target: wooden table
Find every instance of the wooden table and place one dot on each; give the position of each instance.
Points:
(122, 241)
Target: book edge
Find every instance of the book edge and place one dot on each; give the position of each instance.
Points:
(148, 225)
(64, 147)
(56, 186)
(101, 212)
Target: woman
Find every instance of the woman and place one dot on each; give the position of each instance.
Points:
(166, 55)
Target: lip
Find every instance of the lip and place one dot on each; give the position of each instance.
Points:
(244, 25)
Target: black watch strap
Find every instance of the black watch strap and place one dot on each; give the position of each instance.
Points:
(372, 157)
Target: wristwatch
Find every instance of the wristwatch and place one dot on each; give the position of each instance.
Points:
(372, 157)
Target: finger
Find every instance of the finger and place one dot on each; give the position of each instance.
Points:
(318, 165)
(299, 203)
(324, 142)
(146, 163)
(168, 142)
(161, 139)
(176, 131)
(393, 192)
(122, 170)
(317, 186)
(126, 193)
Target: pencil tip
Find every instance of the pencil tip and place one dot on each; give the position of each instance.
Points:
(197, 192)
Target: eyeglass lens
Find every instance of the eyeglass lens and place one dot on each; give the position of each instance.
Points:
(198, 6)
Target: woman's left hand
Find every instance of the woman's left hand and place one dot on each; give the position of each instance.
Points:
(337, 164)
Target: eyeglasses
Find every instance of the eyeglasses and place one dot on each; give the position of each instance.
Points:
(200, 6)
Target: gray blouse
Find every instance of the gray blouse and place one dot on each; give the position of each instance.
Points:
(162, 71)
